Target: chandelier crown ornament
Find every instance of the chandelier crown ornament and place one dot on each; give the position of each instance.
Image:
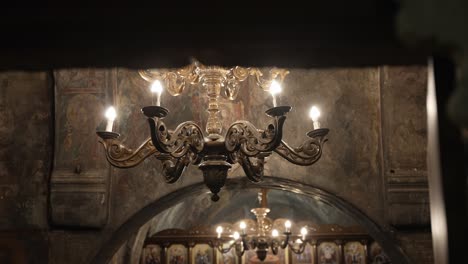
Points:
(214, 152)
(260, 240)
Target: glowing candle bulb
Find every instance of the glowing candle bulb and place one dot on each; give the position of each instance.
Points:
(303, 232)
(275, 88)
(236, 235)
(219, 230)
(274, 233)
(314, 115)
(110, 115)
(242, 226)
(287, 225)
(157, 88)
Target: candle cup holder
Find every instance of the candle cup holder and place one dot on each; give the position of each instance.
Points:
(319, 132)
(107, 135)
(278, 111)
(155, 111)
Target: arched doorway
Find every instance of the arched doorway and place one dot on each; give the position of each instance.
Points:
(131, 226)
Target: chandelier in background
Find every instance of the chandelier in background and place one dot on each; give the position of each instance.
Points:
(214, 152)
(261, 235)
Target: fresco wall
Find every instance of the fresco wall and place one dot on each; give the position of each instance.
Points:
(375, 156)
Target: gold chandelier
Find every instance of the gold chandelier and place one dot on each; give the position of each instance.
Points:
(215, 152)
(257, 237)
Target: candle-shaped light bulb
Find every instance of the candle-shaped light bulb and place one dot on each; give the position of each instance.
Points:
(303, 232)
(275, 88)
(157, 88)
(274, 233)
(287, 226)
(110, 115)
(236, 235)
(219, 230)
(242, 226)
(314, 115)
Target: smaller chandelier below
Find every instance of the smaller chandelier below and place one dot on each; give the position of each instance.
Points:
(262, 235)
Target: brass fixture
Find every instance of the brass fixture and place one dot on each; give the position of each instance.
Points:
(260, 240)
(216, 152)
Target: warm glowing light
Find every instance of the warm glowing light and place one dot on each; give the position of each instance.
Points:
(275, 233)
(314, 113)
(111, 114)
(219, 230)
(242, 225)
(275, 88)
(287, 224)
(298, 241)
(236, 235)
(303, 232)
(156, 87)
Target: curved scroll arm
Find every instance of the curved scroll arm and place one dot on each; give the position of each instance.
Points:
(253, 171)
(173, 168)
(121, 156)
(308, 153)
(299, 249)
(223, 249)
(243, 136)
(188, 136)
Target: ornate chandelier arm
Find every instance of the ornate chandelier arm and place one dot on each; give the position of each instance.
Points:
(244, 136)
(224, 250)
(186, 137)
(173, 168)
(285, 242)
(121, 156)
(300, 249)
(253, 171)
(309, 152)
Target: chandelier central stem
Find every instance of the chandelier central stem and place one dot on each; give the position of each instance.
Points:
(213, 80)
(260, 214)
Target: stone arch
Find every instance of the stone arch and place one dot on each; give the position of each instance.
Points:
(132, 225)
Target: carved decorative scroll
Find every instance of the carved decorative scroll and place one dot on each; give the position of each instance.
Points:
(308, 153)
(123, 157)
(187, 136)
(244, 136)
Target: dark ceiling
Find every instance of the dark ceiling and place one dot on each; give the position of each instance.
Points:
(319, 34)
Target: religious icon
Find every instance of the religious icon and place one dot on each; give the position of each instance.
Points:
(354, 253)
(151, 255)
(328, 253)
(177, 254)
(202, 254)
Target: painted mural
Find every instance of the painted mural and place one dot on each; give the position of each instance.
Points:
(151, 254)
(354, 253)
(328, 253)
(202, 254)
(177, 254)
